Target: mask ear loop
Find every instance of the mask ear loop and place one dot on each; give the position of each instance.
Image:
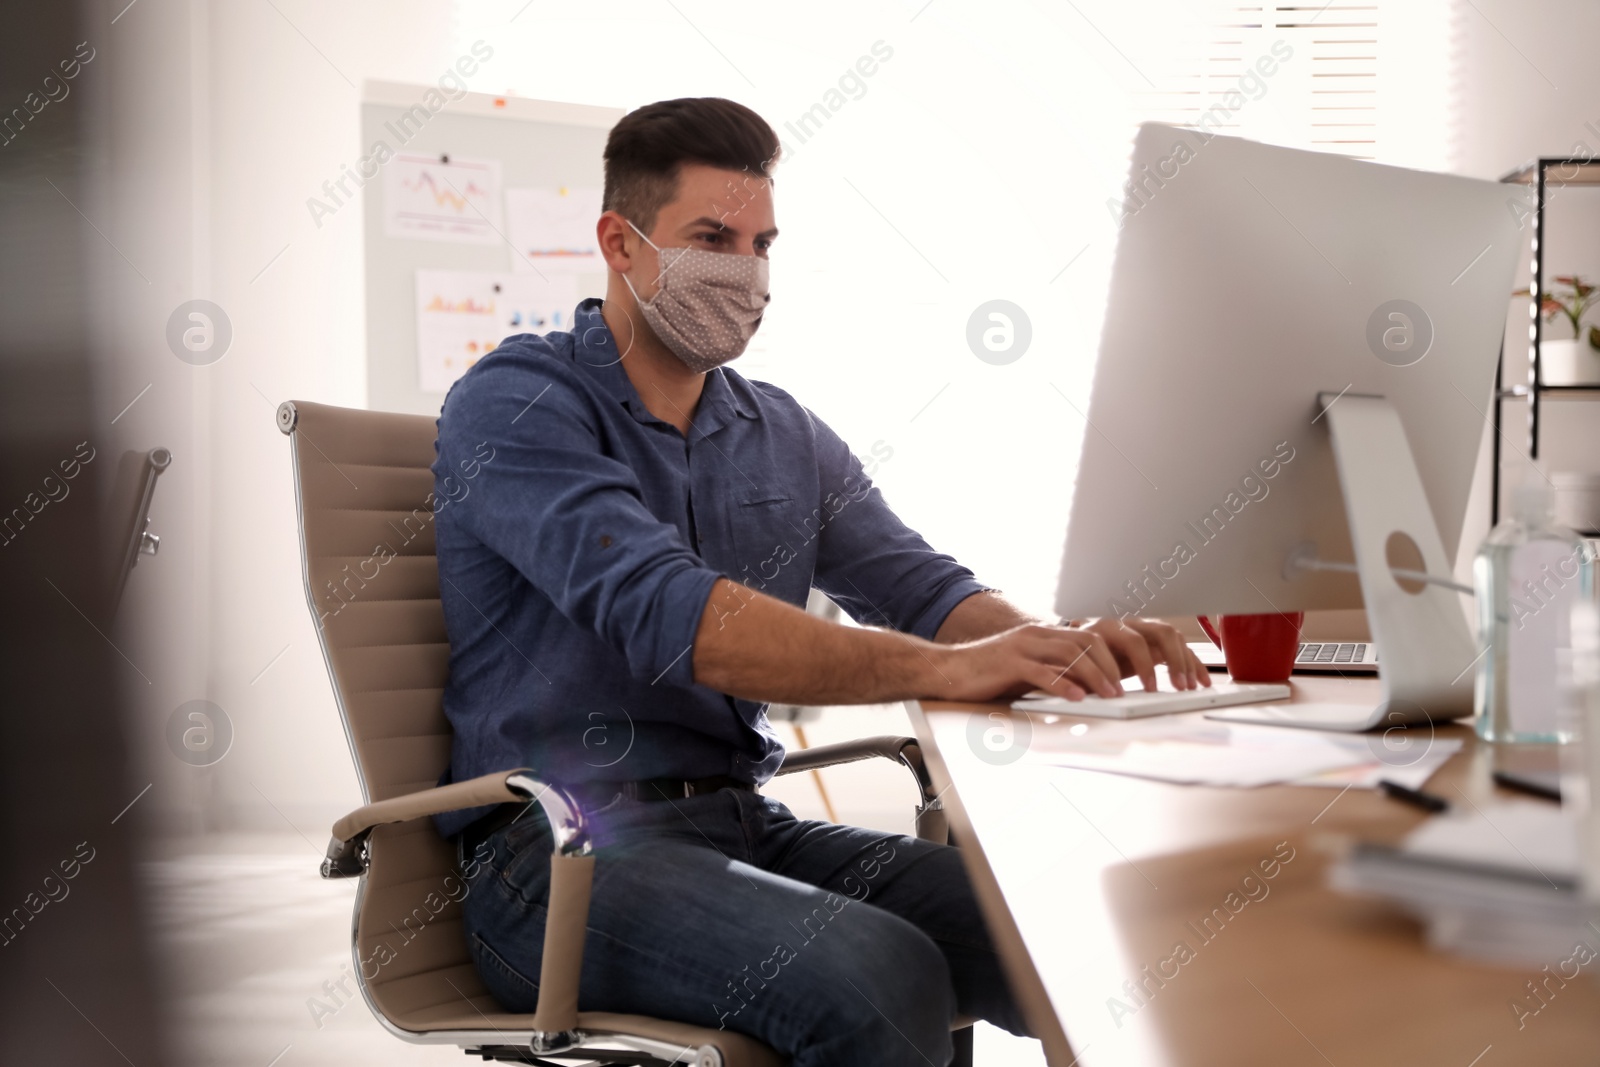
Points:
(661, 273)
(633, 327)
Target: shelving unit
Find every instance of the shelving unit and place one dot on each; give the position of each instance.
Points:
(1545, 174)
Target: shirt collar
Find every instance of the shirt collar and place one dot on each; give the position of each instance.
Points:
(593, 347)
(725, 394)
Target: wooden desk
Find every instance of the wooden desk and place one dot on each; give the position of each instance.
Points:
(1090, 878)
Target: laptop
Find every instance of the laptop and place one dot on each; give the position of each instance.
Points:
(1137, 703)
(1314, 657)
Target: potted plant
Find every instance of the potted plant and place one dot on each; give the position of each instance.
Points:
(1564, 361)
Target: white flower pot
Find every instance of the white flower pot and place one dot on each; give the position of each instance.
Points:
(1577, 499)
(1568, 362)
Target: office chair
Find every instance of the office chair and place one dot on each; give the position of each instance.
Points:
(133, 487)
(362, 488)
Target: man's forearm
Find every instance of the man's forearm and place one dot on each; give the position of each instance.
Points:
(757, 647)
(981, 615)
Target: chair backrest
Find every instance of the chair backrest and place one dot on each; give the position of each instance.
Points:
(364, 491)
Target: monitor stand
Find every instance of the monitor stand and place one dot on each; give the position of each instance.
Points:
(1426, 653)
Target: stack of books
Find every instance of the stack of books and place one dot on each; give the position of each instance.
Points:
(1497, 883)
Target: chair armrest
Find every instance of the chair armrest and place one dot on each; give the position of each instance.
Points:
(346, 855)
(555, 1018)
(885, 746)
(476, 792)
(931, 824)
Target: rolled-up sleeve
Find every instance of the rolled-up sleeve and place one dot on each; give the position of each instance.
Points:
(571, 519)
(872, 564)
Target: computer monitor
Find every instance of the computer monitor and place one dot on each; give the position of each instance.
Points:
(1255, 290)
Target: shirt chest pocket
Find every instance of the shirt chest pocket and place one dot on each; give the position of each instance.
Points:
(774, 547)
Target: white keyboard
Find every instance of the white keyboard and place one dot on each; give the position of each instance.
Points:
(1136, 703)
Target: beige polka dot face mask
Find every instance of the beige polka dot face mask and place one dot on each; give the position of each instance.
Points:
(709, 304)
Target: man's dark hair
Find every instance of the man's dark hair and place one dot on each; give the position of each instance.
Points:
(649, 146)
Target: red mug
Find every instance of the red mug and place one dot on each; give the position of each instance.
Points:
(1257, 648)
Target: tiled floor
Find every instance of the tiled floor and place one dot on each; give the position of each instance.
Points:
(254, 939)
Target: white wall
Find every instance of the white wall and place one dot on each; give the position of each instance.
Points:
(146, 230)
(225, 117)
(286, 118)
(975, 165)
(1525, 84)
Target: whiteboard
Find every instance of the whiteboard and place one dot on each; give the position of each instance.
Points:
(531, 143)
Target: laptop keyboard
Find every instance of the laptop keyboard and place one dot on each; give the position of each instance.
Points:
(1322, 655)
(1332, 652)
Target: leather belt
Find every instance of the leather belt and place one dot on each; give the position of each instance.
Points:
(592, 795)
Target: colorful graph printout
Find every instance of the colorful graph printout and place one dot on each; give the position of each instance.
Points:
(463, 315)
(552, 231)
(428, 199)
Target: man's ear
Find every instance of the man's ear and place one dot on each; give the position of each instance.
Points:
(612, 233)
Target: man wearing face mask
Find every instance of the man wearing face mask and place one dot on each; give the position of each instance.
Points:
(623, 590)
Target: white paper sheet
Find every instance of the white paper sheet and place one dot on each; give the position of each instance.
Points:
(463, 315)
(552, 231)
(1191, 750)
(426, 198)
(1412, 772)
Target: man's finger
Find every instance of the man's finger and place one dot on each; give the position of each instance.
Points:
(1136, 650)
(1056, 683)
(1104, 659)
(1170, 648)
(1075, 659)
(1052, 680)
(1175, 650)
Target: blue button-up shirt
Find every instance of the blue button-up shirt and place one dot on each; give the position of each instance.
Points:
(578, 540)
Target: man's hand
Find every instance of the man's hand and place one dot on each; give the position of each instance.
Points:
(1139, 644)
(753, 646)
(1062, 662)
(1067, 662)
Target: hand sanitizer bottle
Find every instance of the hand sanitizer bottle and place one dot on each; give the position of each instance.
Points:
(1527, 575)
(1580, 761)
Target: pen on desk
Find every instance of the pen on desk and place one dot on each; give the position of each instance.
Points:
(1414, 797)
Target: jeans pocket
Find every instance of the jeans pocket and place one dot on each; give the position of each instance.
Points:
(526, 874)
(515, 991)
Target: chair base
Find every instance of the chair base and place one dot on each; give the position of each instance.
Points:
(607, 1038)
(609, 1057)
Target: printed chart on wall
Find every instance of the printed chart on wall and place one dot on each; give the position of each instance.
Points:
(552, 231)
(463, 315)
(442, 198)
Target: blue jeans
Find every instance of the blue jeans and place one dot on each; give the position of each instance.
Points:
(835, 945)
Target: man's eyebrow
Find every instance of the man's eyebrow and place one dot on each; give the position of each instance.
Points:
(719, 224)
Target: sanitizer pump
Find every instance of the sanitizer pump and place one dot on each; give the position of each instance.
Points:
(1527, 576)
